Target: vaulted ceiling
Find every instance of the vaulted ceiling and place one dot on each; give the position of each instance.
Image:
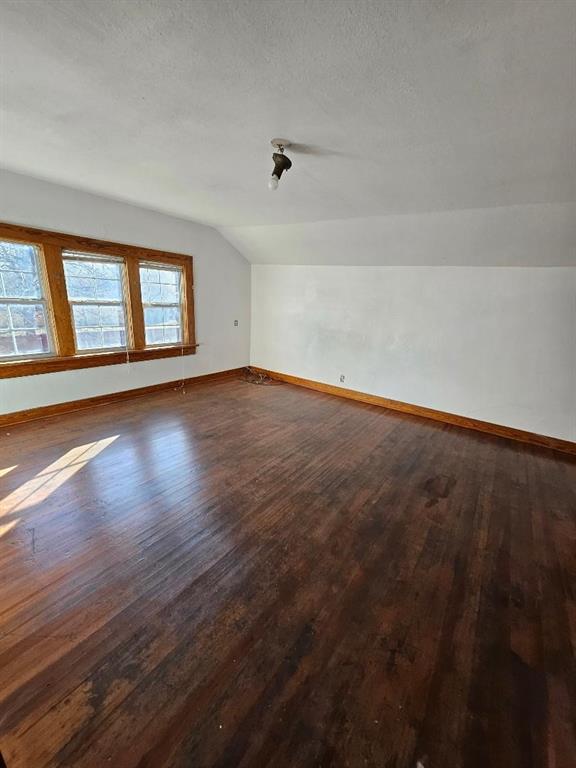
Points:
(396, 107)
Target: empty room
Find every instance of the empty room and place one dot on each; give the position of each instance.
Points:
(287, 383)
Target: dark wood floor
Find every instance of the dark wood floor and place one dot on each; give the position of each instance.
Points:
(242, 575)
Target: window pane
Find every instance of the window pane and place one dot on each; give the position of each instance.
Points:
(92, 267)
(162, 316)
(170, 293)
(151, 292)
(19, 277)
(93, 280)
(172, 335)
(114, 338)
(161, 298)
(162, 325)
(31, 342)
(99, 326)
(20, 285)
(23, 330)
(160, 285)
(26, 316)
(16, 257)
(111, 290)
(89, 339)
(112, 315)
(86, 316)
(163, 335)
(80, 287)
(95, 291)
(4, 318)
(7, 345)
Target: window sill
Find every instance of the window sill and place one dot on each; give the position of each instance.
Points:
(33, 367)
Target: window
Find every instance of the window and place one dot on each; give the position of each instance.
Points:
(24, 323)
(161, 299)
(96, 293)
(72, 302)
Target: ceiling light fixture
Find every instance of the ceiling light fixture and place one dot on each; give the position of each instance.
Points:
(281, 162)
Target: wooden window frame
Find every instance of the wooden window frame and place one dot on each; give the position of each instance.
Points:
(181, 303)
(123, 302)
(50, 247)
(45, 300)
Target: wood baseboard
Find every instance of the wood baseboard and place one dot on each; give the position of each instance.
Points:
(466, 422)
(45, 411)
(428, 413)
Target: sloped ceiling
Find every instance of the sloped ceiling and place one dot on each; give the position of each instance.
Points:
(510, 236)
(397, 108)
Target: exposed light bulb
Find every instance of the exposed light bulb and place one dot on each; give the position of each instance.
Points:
(273, 183)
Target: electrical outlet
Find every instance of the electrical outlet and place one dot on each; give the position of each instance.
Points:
(342, 377)
(235, 322)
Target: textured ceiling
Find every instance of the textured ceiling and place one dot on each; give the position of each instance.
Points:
(404, 106)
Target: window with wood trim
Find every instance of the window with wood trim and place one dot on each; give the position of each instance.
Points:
(73, 302)
(162, 302)
(24, 326)
(96, 292)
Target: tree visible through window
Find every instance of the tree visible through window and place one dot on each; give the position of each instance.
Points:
(162, 302)
(96, 294)
(70, 302)
(24, 327)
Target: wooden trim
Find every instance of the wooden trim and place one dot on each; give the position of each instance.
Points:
(47, 411)
(31, 367)
(134, 304)
(428, 413)
(188, 320)
(57, 297)
(86, 244)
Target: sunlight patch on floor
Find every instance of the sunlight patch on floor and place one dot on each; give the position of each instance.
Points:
(48, 480)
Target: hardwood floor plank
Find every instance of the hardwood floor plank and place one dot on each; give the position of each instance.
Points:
(249, 576)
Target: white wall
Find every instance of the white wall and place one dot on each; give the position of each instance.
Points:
(221, 276)
(493, 343)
